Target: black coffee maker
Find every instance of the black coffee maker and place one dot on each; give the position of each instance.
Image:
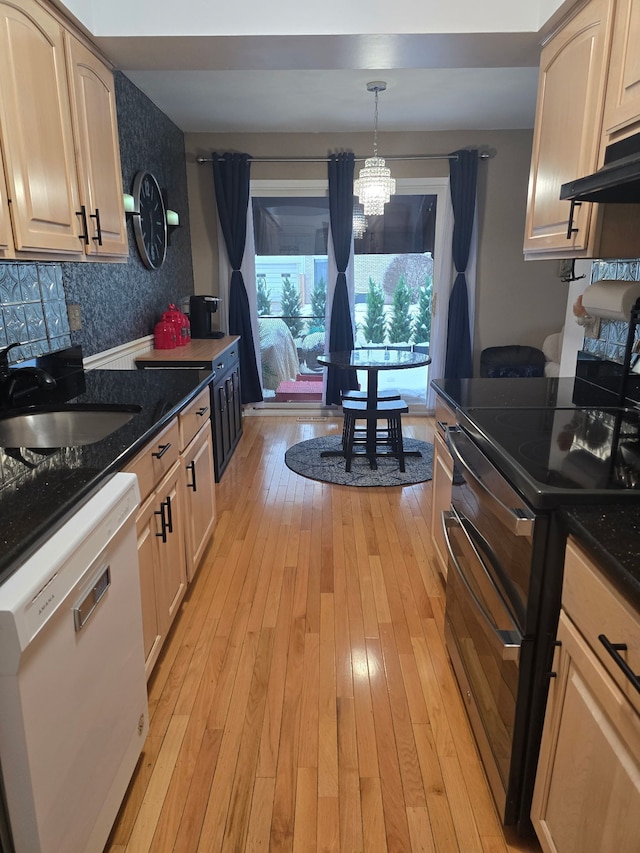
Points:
(201, 311)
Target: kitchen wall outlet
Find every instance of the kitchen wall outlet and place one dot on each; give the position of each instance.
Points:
(75, 320)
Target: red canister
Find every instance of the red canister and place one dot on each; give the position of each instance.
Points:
(179, 322)
(164, 335)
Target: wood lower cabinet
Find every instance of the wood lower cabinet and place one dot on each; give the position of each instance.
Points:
(200, 501)
(227, 409)
(196, 459)
(442, 482)
(222, 357)
(161, 537)
(587, 793)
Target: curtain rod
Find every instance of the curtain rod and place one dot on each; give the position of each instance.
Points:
(483, 155)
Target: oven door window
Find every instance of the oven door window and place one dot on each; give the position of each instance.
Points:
(487, 639)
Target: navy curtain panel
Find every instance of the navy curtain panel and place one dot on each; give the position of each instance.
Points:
(341, 168)
(231, 182)
(463, 167)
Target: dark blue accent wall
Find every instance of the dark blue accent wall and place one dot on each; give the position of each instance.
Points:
(122, 302)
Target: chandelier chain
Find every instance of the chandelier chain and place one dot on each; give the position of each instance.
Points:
(375, 126)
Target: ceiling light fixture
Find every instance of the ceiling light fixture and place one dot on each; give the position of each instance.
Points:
(374, 186)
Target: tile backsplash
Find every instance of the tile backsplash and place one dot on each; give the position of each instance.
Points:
(32, 309)
(612, 338)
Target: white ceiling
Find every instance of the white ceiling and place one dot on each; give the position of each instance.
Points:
(444, 77)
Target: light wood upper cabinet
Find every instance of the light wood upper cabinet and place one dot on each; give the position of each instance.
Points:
(59, 141)
(587, 792)
(567, 131)
(35, 131)
(622, 107)
(93, 109)
(6, 235)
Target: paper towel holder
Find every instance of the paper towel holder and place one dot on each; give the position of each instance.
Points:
(611, 299)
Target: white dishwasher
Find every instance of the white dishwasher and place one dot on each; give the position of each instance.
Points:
(73, 697)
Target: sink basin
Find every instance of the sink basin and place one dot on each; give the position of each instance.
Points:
(68, 426)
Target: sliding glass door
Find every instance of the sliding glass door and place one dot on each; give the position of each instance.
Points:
(395, 275)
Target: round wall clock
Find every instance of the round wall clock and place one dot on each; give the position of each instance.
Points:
(149, 221)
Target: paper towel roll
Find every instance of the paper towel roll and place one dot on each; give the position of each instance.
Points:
(611, 300)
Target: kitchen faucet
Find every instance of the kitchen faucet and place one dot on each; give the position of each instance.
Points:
(10, 377)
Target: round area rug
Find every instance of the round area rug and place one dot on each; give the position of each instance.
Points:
(304, 458)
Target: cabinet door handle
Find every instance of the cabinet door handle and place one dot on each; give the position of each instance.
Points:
(82, 213)
(162, 449)
(167, 504)
(223, 399)
(192, 485)
(163, 523)
(570, 229)
(614, 650)
(202, 412)
(96, 216)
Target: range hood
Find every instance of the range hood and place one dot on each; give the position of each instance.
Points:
(617, 182)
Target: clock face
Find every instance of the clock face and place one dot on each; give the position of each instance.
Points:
(149, 223)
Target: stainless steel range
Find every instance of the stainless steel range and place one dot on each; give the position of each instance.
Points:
(513, 469)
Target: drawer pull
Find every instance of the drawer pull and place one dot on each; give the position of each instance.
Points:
(614, 650)
(162, 449)
(220, 365)
(82, 213)
(202, 412)
(570, 229)
(192, 485)
(98, 238)
(167, 503)
(163, 523)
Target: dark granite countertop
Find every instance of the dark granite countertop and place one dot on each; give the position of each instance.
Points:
(40, 490)
(611, 531)
(529, 392)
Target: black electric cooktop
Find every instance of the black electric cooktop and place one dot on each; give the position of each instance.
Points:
(558, 455)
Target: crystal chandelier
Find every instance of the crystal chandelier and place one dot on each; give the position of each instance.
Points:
(374, 186)
(359, 221)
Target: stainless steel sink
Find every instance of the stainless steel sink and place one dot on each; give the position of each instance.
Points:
(67, 426)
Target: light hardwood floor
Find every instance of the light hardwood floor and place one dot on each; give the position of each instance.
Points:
(304, 700)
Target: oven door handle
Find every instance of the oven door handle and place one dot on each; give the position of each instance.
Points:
(509, 640)
(517, 524)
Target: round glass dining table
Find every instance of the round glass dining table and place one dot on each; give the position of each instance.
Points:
(373, 361)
